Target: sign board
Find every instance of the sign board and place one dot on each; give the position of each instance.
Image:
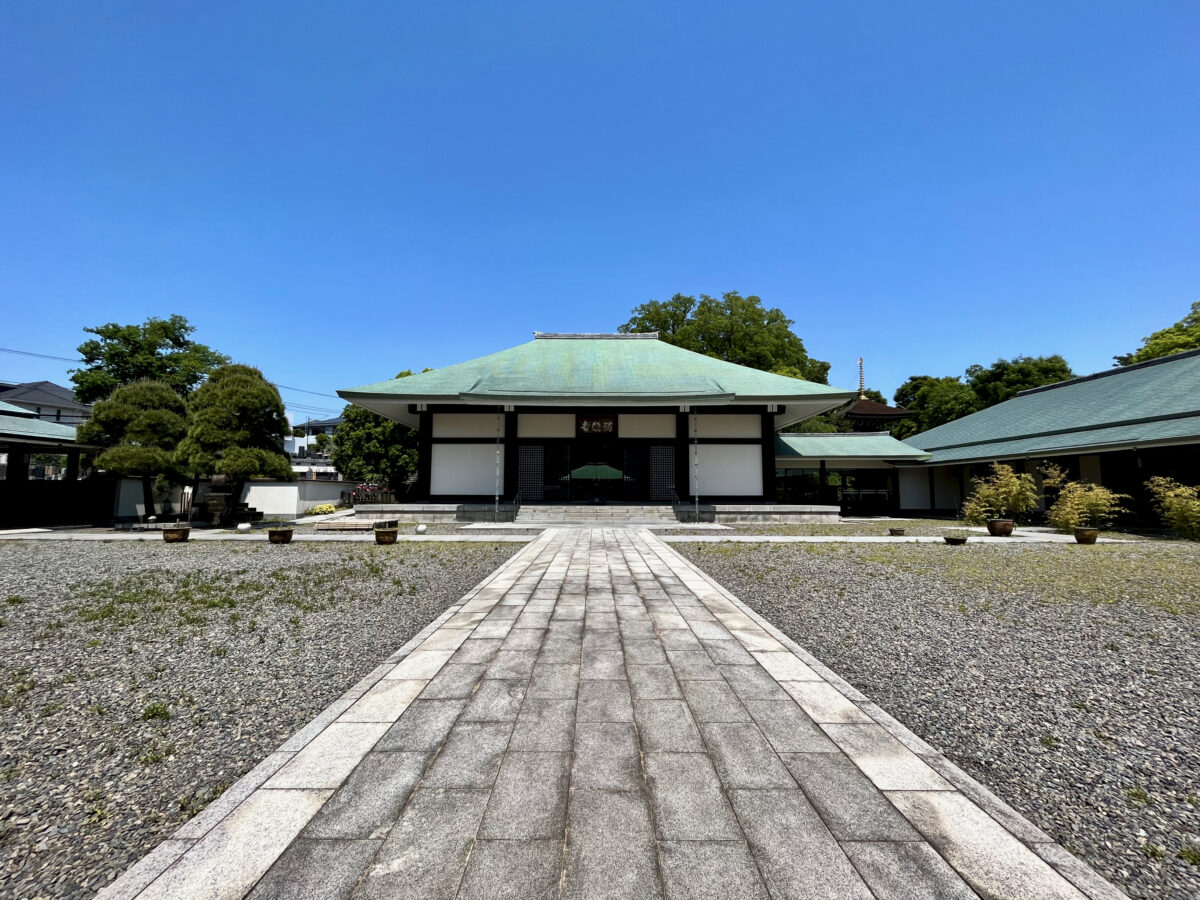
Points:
(596, 425)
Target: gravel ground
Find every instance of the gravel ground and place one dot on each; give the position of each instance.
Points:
(1064, 678)
(138, 681)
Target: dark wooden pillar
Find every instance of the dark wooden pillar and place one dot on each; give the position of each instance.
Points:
(424, 456)
(823, 485)
(768, 457)
(683, 464)
(511, 456)
(72, 472)
(18, 466)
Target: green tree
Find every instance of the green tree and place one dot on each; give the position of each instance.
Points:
(369, 448)
(906, 394)
(139, 426)
(237, 428)
(1183, 335)
(1005, 378)
(942, 400)
(734, 328)
(157, 350)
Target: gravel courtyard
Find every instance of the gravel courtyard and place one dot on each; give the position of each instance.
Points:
(139, 680)
(1064, 678)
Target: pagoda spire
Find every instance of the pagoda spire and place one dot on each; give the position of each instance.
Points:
(862, 384)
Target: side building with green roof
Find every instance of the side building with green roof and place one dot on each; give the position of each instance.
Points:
(580, 418)
(1117, 428)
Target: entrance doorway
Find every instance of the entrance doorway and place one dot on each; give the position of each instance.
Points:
(597, 470)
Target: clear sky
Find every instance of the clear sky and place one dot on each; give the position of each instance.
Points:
(337, 191)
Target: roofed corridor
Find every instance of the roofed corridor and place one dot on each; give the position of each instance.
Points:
(600, 719)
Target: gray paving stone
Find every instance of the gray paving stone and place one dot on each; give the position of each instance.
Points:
(988, 858)
(679, 640)
(611, 852)
(560, 651)
(823, 703)
(476, 650)
(729, 653)
(883, 759)
(852, 807)
(906, 871)
(496, 700)
(785, 666)
(694, 665)
(604, 701)
(385, 702)
(471, 756)
(743, 757)
(601, 640)
(424, 856)
(753, 683)
(512, 664)
(565, 629)
(524, 637)
(369, 801)
(710, 631)
(667, 725)
(599, 664)
(513, 870)
(316, 870)
(788, 727)
(637, 631)
(566, 612)
(600, 620)
(645, 653)
(606, 757)
(653, 683)
(709, 870)
(714, 701)
(454, 681)
(796, 853)
(686, 796)
(423, 726)
(529, 800)
(329, 757)
(421, 665)
(544, 724)
(554, 681)
(1078, 873)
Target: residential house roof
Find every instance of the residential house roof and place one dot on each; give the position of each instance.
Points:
(1155, 402)
(43, 393)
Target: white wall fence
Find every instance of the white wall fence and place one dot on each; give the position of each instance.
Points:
(272, 498)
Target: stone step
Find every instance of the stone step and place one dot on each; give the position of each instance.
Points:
(625, 514)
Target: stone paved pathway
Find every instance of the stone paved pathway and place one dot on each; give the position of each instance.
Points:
(599, 719)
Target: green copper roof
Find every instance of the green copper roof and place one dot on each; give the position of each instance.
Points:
(1152, 402)
(11, 410)
(880, 445)
(595, 369)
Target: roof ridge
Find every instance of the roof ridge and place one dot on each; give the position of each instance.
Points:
(594, 336)
(1116, 370)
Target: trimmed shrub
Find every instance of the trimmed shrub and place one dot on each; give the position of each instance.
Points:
(1084, 505)
(1005, 494)
(1178, 506)
(323, 509)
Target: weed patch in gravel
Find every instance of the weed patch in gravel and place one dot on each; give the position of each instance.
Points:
(139, 680)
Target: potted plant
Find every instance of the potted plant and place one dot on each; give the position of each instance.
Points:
(386, 531)
(279, 533)
(1083, 509)
(176, 534)
(1000, 499)
(955, 538)
(896, 532)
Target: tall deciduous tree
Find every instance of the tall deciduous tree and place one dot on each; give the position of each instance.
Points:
(1183, 335)
(140, 425)
(369, 448)
(734, 328)
(159, 350)
(237, 428)
(934, 401)
(1005, 378)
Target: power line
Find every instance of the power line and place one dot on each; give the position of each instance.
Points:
(38, 355)
(303, 391)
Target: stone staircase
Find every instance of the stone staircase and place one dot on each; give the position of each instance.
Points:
(598, 515)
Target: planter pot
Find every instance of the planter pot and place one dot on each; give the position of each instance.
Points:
(279, 535)
(1000, 527)
(954, 540)
(176, 534)
(1086, 535)
(896, 532)
(386, 535)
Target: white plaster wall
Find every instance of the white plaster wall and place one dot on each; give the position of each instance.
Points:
(129, 494)
(546, 425)
(914, 488)
(314, 493)
(735, 425)
(726, 470)
(469, 425)
(272, 498)
(465, 469)
(631, 425)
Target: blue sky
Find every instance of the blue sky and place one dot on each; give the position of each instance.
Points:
(334, 192)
